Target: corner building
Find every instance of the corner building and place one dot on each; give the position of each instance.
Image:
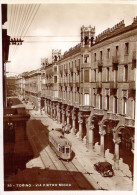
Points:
(91, 89)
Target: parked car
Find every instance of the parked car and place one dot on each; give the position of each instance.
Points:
(104, 168)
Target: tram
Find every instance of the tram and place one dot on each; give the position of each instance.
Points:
(60, 145)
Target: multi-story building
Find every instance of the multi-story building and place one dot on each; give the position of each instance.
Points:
(33, 87)
(95, 95)
(10, 86)
(91, 87)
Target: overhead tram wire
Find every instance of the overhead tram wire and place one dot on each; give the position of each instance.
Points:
(50, 41)
(34, 14)
(28, 19)
(14, 24)
(32, 18)
(20, 26)
(19, 19)
(11, 25)
(23, 20)
(50, 36)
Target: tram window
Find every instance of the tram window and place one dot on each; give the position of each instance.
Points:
(59, 147)
(63, 149)
(67, 150)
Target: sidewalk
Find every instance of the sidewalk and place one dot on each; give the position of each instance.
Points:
(87, 159)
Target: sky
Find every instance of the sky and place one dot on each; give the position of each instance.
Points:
(64, 22)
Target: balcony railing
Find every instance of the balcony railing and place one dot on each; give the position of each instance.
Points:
(98, 111)
(84, 108)
(76, 104)
(115, 59)
(113, 85)
(98, 84)
(71, 68)
(99, 63)
(129, 122)
(77, 84)
(112, 116)
(134, 56)
(132, 85)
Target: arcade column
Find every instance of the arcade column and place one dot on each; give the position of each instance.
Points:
(102, 134)
(116, 155)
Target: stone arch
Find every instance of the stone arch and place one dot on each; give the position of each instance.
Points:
(126, 135)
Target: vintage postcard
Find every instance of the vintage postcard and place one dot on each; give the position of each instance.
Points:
(68, 96)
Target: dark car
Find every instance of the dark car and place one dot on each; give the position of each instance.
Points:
(104, 168)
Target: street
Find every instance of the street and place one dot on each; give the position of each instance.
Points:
(59, 171)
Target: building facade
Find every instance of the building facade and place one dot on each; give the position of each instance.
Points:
(91, 89)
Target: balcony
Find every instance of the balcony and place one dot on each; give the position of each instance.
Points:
(84, 108)
(98, 111)
(134, 56)
(71, 68)
(100, 63)
(113, 85)
(129, 122)
(77, 84)
(77, 67)
(98, 85)
(112, 116)
(115, 60)
(65, 68)
(54, 99)
(76, 104)
(132, 85)
(61, 69)
(86, 65)
(70, 84)
(126, 58)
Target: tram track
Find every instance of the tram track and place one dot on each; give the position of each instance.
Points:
(51, 161)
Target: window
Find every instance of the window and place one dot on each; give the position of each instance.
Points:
(86, 99)
(79, 62)
(82, 76)
(107, 74)
(86, 58)
(124, 105)
(125, 73)
(56, 93)
(95, 57)
(115, 104)
(55, 79)
(94, 100)
(63, 149)
(100, 101)
(75, 63)
(67, 150)
(126, 48)
(86, 40)
(107, 103)
(86, 76)
(95, 75)
(117, 50)
(55, 58)
(101, 54)
(100, 74)
(108, 53)
(115, 74)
